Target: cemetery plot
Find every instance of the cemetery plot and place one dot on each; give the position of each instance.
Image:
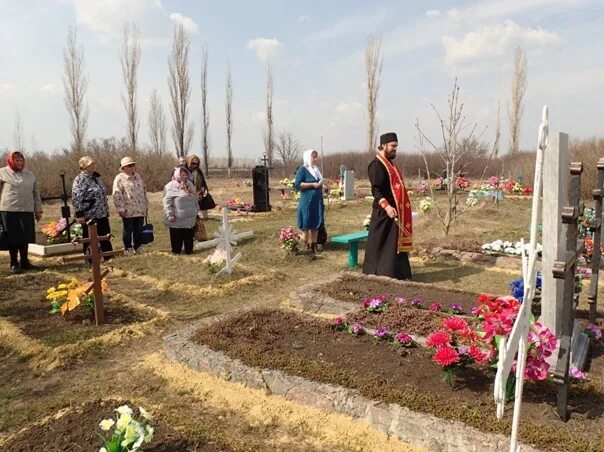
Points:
(363, 368)
(30, 328)
(77, 428)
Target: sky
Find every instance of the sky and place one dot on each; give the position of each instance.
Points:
(316, 49)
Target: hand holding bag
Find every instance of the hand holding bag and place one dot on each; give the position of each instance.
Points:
(147, 233)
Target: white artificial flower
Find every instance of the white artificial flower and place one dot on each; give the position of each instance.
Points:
(140, 437)
(148, 434)
(124, 409)
(145, 414)
(123, 421)
(102, 449)
(106, 424)
(486, 246)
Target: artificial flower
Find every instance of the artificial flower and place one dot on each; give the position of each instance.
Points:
(445, 356)
(438, 339)
(106, 424)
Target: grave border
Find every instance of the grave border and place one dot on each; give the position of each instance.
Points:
(419, 429)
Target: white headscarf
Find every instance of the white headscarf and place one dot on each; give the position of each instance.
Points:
(309, 166)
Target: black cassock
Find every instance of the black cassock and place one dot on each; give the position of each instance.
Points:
(381, 257)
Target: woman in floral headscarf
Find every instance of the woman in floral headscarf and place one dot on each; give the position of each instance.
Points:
(180, 210)
(20, 203)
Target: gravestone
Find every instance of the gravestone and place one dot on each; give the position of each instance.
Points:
(555, 197)
(348, 192)
(260, 188)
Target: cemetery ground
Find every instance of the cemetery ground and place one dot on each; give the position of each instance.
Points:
(61, 376)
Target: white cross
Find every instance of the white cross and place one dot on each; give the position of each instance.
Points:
(226, 237)
(518, 340)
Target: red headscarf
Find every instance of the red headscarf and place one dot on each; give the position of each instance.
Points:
(10, 160)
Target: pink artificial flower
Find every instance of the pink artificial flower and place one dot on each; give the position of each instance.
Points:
(536, 369)
(435, 307)
(445, 356)
(438, 339)
(337, 321)
(455, 323)
(404, 339)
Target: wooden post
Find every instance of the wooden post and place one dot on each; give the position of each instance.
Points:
(95, 258)
(596, 229)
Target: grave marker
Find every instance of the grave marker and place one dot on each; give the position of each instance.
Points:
(226, 239)
(348, 191)
(596, 228)
(95, 257)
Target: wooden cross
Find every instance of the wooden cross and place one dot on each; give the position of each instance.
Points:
(226, 239)
(95, 257)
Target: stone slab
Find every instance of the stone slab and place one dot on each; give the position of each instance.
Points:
(54, 250)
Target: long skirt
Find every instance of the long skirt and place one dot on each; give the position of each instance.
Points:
(20, 228)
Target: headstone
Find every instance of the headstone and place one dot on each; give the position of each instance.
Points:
(260, 188)
(348, 192)
(555, 197)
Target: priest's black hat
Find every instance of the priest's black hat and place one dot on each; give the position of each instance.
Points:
(388, 138)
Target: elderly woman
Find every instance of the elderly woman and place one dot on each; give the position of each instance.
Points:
(180, 210)
(19, 204)
(310, 207)
(198, 179)
(90, 201)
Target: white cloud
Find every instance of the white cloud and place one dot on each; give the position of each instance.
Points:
(303, 19)
(432, 13)
(5, 86)
(347, 111)
(49, 88)
(265, 48)
(188, 23)
(351, 25)
(488, 43)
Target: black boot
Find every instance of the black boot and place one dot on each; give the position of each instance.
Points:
(313, 248)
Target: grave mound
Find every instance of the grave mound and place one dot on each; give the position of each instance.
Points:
(297, 345)
(77, 428)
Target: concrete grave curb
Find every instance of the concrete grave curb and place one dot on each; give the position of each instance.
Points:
(411, 427)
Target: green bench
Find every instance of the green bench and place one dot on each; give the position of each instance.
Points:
(352, 240)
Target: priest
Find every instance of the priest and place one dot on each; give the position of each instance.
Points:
(390, 230)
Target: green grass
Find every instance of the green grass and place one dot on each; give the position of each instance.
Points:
(64, 337)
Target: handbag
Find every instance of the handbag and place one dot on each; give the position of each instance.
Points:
(206, 202)
(147, 233)
(199, 232)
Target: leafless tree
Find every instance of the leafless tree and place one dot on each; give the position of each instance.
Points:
(516, 108)
(229, 117)
(34, 143)
(180, 91)
(373, 70)
(288, 148)
(269, 139)
(205, 113)
(76, 85)
(460, 145)
(19, 134)
(157, 124)
(130, 59)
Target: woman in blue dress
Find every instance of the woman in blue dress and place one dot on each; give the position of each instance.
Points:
(309, 182)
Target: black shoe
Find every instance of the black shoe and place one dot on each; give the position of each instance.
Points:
(14, 269)
(27, 265)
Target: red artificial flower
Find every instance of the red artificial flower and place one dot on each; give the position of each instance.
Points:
(455, 323)
(479, 355)
(438, 339)
(445, 356)
(337, 321)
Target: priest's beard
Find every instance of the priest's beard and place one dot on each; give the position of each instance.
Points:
(390, 155)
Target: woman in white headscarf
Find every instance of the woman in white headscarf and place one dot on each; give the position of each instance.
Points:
(180, 210)
(310, 207)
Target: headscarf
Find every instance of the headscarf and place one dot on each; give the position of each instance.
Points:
(309, 166)
(10, 161)
(176, 178)
(197, 176)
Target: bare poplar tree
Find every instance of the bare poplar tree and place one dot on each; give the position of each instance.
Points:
(76, 85)
(373, 70)
(229, 117)
(19, 134)
(130, 59)
(269, 139)
(460, 144)
(205, 113)
(157, 124)
(288, 148)
(180, 91)
(516, 109)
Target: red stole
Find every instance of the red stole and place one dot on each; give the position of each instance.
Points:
(403, 206)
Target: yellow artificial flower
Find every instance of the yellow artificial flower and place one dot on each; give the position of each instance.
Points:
(51, 290)
(106, 424)
(62, 286)
(123, 421)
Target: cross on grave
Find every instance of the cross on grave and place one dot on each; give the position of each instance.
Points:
(226, 239)
(95, 258)
(596, 229)
(572, 345)
(517, 342)
(65, 212)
